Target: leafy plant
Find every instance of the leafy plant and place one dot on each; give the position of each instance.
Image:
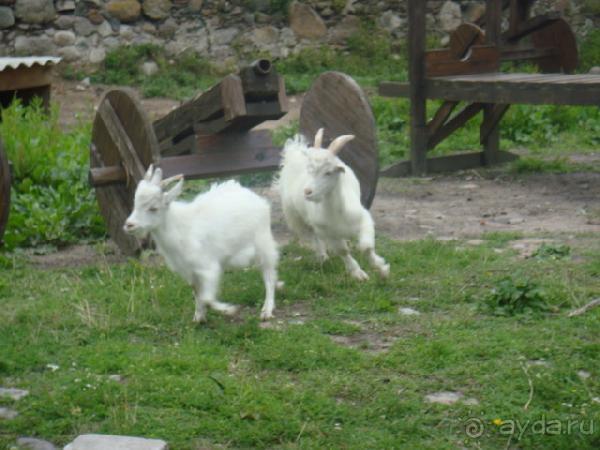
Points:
(510, 297)
(552, 251)
(51, 201)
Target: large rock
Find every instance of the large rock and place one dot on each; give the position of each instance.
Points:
(35, 11)
(124, 10)
(97, 55)
(65, 22)
(104, 442)
(263, 36)
(83, 27)
(305, 22)
(34, 46)
(28, 443)
(347, 27)
(7, 18)
(223, 36)
(450, 16)
(63, 38)
(390, 21)
(157, 9)
(104, 29)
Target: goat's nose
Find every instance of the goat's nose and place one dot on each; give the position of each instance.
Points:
(307, 191)
(128, 226)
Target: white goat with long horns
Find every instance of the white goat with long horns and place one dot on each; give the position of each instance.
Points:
(320, 196)
(228, 226)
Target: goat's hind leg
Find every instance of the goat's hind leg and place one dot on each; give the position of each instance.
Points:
(352, 266)
(267, 257)
(366, 243)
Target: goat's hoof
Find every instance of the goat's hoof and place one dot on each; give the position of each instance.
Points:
(360, 275)
(266, 315)
(384, 271)
(279, 285)
(199, 317)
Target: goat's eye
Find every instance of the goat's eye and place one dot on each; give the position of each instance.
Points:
(153, 209)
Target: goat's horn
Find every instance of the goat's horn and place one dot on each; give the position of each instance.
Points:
(169, 180)
(319, 138)
(149, 172)
(339, 142)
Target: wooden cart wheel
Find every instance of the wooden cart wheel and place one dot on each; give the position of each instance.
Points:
(559, 36)
(122, 136)
(4, 191)
(463, 38)
(337, 103)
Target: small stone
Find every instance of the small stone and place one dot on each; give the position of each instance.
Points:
(475, 242)
(470, 401)
(86, 82)
(7, 414)
(69, 53)
(195, 5)
(157, 9)
(33, 45)
(52, 367)
(62, 38)
(124, 10)
(97, 55)
(15, 394)
(596, 399)
(168, 28)
(450, 16)
(390, 21)
(29, 443)
(469, 186)
(348, 26)
(515, 220)
(408, 312)
(95, 17)
(444, 397)
(103, 442)
(538, 362)
(584, 374)
(65, 5)
(104, 29)
(149, 68)
(83, 27)
(595, 70)
(64, 22)
(115, 377)
(7, 18)
(224, 36)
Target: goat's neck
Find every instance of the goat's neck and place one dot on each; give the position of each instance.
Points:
(161, 235)
(334, 201)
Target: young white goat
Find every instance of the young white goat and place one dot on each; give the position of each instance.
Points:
(320, 196)
(228, 226)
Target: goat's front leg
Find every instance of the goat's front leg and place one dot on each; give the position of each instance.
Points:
(210, 278)
(320, 248)
(352, 266)
(200, 313)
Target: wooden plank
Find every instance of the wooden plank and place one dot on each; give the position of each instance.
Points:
(123, 143)
(417, 89)
(528, 26)
(453, 124)
(526, 53)
(224, 155)
(461, 161)
(479, 59)
(440, 117)
(560, 36)
(463, 38)
(224, 99)
(490, 121)
(493, 18)
(508, 92)
(105, 176)
(394, 89)
(25, 78)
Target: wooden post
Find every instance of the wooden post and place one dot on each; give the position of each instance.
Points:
(416, 78)
(491, 140)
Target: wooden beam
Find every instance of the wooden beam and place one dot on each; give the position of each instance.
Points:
(25, 77)
(224, 155)
(461, 161)
(416, 78)
(491, 120)
(440, 117)
(453, 124)
(394, 89)
(479, 59)
(529, 26)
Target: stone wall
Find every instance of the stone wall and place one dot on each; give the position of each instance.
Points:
(82, 31)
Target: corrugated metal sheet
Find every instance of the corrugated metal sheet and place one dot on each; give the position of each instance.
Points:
(27, 61)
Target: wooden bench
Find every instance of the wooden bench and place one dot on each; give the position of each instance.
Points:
(468, 71)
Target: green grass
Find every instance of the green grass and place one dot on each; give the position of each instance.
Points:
(235, 384)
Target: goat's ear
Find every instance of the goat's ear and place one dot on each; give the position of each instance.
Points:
(156, 176)
(174, 192)
(148, 175)
(339, 169)
(319, 138)
(339, 142)
(164, 183)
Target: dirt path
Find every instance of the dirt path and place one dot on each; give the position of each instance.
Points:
(461, 205)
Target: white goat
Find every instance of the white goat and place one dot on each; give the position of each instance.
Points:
(228, 226)
(320, 196)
